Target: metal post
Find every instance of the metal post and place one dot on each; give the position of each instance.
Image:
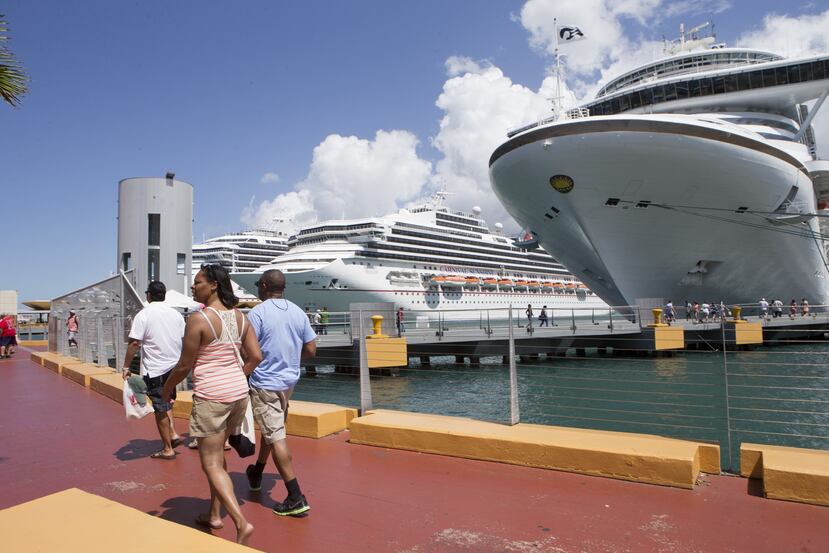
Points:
(99, 330)
(365, 380)
(610, 316)
(727, 402)
(573, 318)
(118, 340)
(514, 414)
(552, 317)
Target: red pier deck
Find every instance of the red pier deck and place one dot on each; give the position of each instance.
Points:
(55, 434)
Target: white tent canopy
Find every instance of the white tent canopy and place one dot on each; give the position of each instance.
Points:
(180, 301)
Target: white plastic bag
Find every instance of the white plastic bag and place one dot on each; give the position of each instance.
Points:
(133, 409)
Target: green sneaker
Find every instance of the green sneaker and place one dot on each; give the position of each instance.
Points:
(288, 508)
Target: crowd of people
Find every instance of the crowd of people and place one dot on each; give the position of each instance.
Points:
(236, 361)
(706, 312)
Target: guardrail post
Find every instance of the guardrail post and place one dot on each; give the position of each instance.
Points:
(610, 316)
(365, 380)
(573, 318)
(514, 414)
(99, 330)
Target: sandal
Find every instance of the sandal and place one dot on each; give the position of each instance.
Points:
(177, 442)
(162, 455)
(194, 444)
(204, 520)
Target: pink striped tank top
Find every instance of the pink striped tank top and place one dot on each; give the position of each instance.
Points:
(217, 374)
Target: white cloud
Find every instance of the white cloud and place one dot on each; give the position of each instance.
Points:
(269, 178)
(350, 177)
(790, 36)
(458, 65)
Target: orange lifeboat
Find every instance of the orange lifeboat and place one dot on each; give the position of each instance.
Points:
(569, 287)
(489, 282)
(471, 281)
(505, 283)
(439, 279)
(453, 281)
(546, 285)
(521, 283)
(534, 285)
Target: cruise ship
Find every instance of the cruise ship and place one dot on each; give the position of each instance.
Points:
(423, 259)
(242, 251)
(694, 177)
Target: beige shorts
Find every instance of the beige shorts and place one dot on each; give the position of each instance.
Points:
(269, 412)
(211, 417)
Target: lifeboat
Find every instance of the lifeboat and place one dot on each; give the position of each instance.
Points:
(570, 288)
(534, 285)
(522, 283)
(558, 287)
(437, 280)
(453, 281)
(489, 282)
(546, 285)
(471, 281)
(505, 283)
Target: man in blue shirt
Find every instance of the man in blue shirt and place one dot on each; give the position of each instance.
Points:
(285, 336)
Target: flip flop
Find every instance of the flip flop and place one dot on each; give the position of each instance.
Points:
(201, 520)
(161, 455)
(177, 442)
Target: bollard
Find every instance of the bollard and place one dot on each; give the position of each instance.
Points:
(735, 312)
(657, 317)
(377, 322)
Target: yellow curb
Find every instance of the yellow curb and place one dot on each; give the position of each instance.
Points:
(788, 473)
(636, 457)
(33, 343)
(80, 521)
(81, 372)
(110, 385)
(53, 361)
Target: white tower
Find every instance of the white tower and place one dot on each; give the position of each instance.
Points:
(155, 231)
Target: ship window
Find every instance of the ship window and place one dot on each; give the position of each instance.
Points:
(693, 88)
(768, 77)
(819, 70)
(670, 92)
(681, 90)
(643, 204)
(743, 82)
(782, 76)
(731, 83)
(705, 87)
(756, 79)
(719, 85)
(547, 215)
(806, 71)
(741, 210)
(612, 202)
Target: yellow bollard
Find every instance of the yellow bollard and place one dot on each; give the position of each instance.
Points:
(735, 312)
(657, 318)
(377, 323)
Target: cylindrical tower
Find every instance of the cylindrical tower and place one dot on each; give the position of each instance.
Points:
(155, 231)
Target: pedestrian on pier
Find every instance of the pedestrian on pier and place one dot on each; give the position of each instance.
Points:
(777, 308)
(669, 312)
(764, 309)
(72, 328)
(792, 309)
(325, 317)
(529, 313)
(399, 319)
(222, 350)
(542, 317)
(157, 331)
(8, 332)
(286, 337)
(804, 307)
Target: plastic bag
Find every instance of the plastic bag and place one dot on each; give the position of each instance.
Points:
(132, 408)
(243, 439)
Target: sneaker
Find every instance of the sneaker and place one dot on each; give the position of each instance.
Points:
(254, 478)
(288, 508)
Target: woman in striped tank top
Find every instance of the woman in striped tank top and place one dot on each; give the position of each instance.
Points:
(214, 339)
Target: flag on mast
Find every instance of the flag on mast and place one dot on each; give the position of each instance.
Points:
(569, 33)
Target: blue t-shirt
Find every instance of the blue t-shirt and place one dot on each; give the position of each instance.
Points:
(282, 329)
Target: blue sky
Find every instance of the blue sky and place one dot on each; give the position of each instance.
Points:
(225, 93)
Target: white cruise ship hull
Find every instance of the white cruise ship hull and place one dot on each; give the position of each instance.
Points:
(338, 284)
(687, 239)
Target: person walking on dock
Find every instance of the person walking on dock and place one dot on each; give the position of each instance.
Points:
(157, 331)
(400, 320)
(792, 309)
(221, 349)
(72, 328)
(8, 332)
(325, 318)
(286, 336)
(804, 307)
(542, 317)
(529, 313)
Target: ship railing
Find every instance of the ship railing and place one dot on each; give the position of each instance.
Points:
(567, 115)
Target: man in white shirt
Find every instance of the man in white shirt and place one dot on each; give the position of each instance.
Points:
(157, 330)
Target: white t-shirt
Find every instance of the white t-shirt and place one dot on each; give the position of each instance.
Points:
(160, 329)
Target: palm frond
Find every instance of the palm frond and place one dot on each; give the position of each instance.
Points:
(13, 80)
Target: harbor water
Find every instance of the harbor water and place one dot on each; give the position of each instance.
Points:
(775, 395)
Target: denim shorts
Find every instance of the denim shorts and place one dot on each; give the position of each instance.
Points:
(154, 387)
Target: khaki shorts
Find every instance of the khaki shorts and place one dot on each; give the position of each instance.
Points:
(269, 412)
(211, 417)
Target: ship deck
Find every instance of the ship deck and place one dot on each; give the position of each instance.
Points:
(57, 435)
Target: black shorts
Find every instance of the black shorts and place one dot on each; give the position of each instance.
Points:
(6, 341)
(154, 387)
